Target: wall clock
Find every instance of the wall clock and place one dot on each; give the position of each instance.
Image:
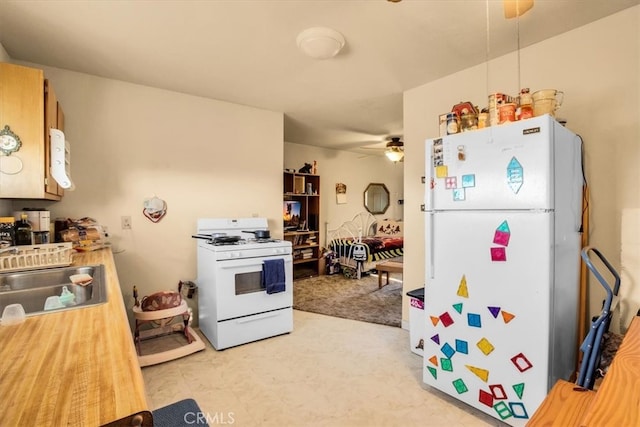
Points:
(9, 141)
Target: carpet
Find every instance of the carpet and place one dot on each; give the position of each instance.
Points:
(183, 413)
(335, 295)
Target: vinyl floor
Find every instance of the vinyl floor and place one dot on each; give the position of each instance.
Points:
(328, 372)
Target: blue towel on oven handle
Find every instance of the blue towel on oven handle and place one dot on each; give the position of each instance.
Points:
(273, 275)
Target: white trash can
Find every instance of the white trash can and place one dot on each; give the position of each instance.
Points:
(416, 320)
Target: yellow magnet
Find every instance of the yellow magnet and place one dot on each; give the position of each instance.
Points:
(442, 171)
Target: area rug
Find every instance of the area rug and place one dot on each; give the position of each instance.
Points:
(183, 413)
(357, 299)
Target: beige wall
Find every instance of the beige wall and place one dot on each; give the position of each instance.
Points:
(597, 66)
(4, 56)
(205, 158)
(5, 205)
(354, 170)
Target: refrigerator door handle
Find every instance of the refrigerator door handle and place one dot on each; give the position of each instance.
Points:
(431, 245)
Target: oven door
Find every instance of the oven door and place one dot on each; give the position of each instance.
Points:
(239, 290)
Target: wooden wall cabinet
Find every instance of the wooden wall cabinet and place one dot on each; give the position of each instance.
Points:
(305, 237)
(29, 106)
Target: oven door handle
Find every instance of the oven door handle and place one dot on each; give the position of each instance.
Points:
(258, 264)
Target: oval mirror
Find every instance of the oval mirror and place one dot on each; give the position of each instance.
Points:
(376, 198)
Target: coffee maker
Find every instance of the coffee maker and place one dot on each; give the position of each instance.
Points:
(40, 221)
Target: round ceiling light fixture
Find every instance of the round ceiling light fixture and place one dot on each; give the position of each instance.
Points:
(320, 42)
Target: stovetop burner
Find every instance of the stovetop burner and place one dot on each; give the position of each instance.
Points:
(262, 240)
(226, 240)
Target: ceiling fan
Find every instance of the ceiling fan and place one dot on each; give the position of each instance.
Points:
(393, 149)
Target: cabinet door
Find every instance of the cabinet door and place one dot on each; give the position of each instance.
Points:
(22, 109)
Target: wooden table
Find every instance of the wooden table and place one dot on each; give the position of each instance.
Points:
(387, 267)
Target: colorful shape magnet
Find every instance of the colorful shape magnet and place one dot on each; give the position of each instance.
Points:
(446, 319)
(442, 171)
(518, 410)
(447, 350)
(507, 317)
(463, 291)
(483, 374)
(494, 311)
(521, 362)
(433, 372)
(498, 254)
(519, 389)
(460, 386)
(462, 346)
(459, 195)
(450, 182)
(515, 175)
(474, 320)
(486, 398)
(502, 234)
(503, 410)
(485, 346)
(468, 181)
(498, 391)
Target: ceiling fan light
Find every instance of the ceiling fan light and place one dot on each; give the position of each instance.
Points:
(320, 42)
(394, 154)
(394, 150)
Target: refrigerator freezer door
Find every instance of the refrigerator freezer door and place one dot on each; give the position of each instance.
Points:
(506, 167)
(487, 309)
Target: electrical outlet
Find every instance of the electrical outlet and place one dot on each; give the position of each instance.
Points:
(126, 222)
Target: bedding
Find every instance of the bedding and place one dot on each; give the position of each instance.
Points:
(365, 238)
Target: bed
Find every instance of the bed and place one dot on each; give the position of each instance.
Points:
(362, 242)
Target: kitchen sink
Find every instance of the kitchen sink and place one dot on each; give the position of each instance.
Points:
(32, 289)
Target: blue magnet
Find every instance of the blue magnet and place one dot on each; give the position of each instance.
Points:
(473, 320)
(458, 194)
(515, 175)
(447, 350)
(462, 346)
(468, 180)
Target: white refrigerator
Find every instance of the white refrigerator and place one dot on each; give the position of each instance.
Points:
(503, 223)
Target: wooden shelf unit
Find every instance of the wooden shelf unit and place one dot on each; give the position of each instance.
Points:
(305, 239)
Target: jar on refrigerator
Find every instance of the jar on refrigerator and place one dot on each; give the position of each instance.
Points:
(525, 105)
(453, 124)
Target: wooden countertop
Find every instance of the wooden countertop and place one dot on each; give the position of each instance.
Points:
(617, 401)
(75, 367)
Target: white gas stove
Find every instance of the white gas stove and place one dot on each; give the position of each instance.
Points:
(235, 306)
